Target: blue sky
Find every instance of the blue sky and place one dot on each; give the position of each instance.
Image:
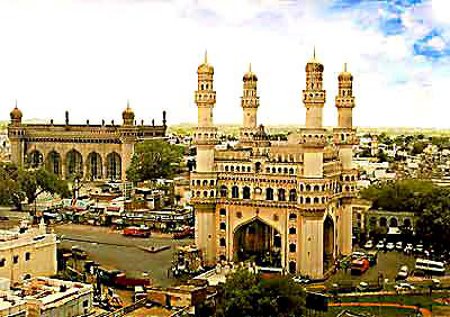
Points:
(90, 57)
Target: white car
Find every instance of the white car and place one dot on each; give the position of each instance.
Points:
(390, 246)
(418, 248)
(380, 245)
(409, 247)
(368, 245)
(402, 273)
(399, 246)
(404, 287)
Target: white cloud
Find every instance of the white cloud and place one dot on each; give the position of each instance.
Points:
(89, 57)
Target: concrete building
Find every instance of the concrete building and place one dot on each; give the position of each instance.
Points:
(47, 297)
(30, 253)
(285, 205)
(88, 151)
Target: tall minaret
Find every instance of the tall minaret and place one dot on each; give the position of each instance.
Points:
(314, 95)
(206, 134)
(344, 134)
(250, 104)
(313, 136)
(204, 179)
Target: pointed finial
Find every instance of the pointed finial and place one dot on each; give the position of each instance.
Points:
(345, 67)
(16, 103)
(314, 52)
(128, 103)
(250, 67)
(206, 56)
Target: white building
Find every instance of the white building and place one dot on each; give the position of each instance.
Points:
(27, 252)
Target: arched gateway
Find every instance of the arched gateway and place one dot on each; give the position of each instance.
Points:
(258, 242)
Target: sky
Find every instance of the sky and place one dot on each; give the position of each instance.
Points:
(90, 57)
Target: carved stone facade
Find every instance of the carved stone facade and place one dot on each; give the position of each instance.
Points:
(90, 152)
(286, 205)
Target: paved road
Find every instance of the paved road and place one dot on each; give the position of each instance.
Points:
(113, 250)
(425, 312)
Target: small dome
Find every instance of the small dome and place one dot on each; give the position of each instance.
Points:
(314, 66)
(205, 68)
(250, 76)
(16, 113)
(345, 75)
(128, 113)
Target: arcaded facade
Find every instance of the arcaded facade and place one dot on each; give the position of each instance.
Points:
(88, 151)
(283, 205)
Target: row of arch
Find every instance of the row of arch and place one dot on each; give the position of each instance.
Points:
(393, 222)
(74, 165)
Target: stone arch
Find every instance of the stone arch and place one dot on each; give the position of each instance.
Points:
(383, 222)
(223, 191)
(35, 159)
(234, 192)
(94, 166)
(269, 193)
(74, 164)
(293, 195)
(113, 166)
(281, 194)
(407, 223)
(246, 192)
(393, 222)
(292, 267)
(53, 163)
(258, 241)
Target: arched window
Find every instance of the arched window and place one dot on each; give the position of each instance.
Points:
(211, 193)
(238, 169)
(292, 216)
(232, 168)
(223, 242)
(274, 170)
(316, 200)
(316, 188)
(223, 226)
(292, 247)
(246, 192)
(226, 168)
(292, 267)
(257, 167)
(279, 170)
(211, 182)
(267, 169)
(113, 166)
(234, 192)
(223, 191)
(269, 193)
(249, 169)
(308, 187)
(292, 195)
(222, 212)
(307, 200)
(292, 230)
(205, 194)
(291, 171)
(205, 182)
(281, 194)
(285, 170)
(198, 182)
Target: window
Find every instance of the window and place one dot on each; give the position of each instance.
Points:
(15, 259)
(281, 194)
(85, 303)
(223, 226)
(269, 194)
(292, 230)
(222, 242)
(292, 247)
(234, 192)
(205, 183)
(246, 192)
(222, 212)
(223, 191)
(27, 256)
(211, 182)
(211, 193)
(257, 167)
(292, 195)
(239, 214)
(2, 262)
(292, 217)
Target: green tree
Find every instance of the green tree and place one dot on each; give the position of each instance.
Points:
(247, 294)
(154, 159)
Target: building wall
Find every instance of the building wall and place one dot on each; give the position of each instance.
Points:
(42, 260)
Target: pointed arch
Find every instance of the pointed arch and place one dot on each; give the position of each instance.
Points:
(113, 166)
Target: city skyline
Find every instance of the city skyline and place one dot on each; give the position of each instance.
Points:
(91, 57)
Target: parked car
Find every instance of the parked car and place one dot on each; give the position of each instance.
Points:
(301, 280)
(368, 245)
(402, 274)
(404, 287)
(409, 247)
(418, 248)
(399, 246)
(380, 245)
(390, 246)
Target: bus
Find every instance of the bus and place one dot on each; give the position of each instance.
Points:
(430, 267)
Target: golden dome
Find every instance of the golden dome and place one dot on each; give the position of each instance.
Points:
(345, 75)
(205, 68)
(313, 64)
(16, 113)
(250, 76)
(128, 113)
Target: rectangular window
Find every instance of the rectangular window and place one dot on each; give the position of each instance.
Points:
(27, 256)
(85, 303)
(15, 259)
(2, 262)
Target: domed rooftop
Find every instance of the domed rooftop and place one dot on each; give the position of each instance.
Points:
(205, 68)
(128, 113)
(313, 64)
(250, 76)
(345, 75)
(16, 113)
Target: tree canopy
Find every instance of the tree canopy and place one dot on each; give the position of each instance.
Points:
(154, 159)
(17, 184)
(431, 204)
(247, 294)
